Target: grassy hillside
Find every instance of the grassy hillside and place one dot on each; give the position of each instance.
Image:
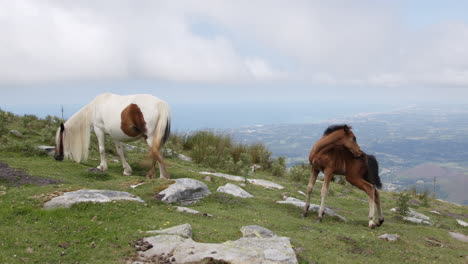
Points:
(103, 233)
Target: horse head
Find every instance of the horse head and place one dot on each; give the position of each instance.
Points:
(349, 141)
(341, 135)
(59, 143)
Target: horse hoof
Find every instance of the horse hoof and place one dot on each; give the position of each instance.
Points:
(95, 170)
(372, 225)
(380, 222)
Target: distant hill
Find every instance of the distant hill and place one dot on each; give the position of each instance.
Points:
(402, 139)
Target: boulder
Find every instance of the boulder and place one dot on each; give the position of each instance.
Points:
(86, 195)
(234, 190)
(248, 249)
(312, 207)
(390, 237)
(184, 191)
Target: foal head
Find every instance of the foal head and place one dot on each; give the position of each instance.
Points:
(59, 143)
(342, 135)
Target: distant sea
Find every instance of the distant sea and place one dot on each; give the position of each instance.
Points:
(188, 117)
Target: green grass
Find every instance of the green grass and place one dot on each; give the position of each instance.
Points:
(103, 233)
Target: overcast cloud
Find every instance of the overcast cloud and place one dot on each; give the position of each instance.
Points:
(338, 44)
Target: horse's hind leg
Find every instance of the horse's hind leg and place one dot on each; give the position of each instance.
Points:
(370, 190)
(127, 169)
(326, 183)
(379, 208)
(102, 151)
(313, 177)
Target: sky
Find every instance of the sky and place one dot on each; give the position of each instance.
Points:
(342, 53)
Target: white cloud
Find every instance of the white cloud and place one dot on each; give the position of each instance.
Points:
(358, 43)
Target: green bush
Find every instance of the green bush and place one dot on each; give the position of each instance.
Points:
(424, 198)
(278, 167)
(219, 151)
(300, 173)
(403, 204)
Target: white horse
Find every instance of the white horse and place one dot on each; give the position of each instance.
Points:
(124, 118)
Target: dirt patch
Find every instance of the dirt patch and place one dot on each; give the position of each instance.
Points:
(16, 178)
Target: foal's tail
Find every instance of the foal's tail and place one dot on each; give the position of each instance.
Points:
(161, 131)
(372, 175)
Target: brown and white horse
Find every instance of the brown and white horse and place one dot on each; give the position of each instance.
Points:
(124, 118)
(337, 152)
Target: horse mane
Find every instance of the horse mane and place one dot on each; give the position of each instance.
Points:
(326, 142)
(77, 134)
(334, 128)
(372, 174)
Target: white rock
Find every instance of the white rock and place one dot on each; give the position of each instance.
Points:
(190, 211)
(136, 185)
(415, 215)
(16, 133)
(183, 157)
(435, 212)
(256, 231)
(312, 207)
(415, 220)
(265, 183)
(389, 237)
(234, 190)
(252, 250)
(225, 176)
(184, 230)
(458, 236)
(301, 192)
(98, 196)
(184, 191)
(48, 149)
(462, 223)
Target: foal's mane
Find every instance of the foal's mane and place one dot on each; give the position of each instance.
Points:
(334, 128)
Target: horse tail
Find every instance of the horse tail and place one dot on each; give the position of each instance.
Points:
(372, 175)
(161, 132)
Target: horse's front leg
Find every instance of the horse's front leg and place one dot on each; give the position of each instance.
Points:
(326, 182)
(127, 169)
(313, 178)
(102, 151)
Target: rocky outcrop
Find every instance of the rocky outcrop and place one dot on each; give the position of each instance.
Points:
(97, 196)
(177, 243)
(184, 191)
